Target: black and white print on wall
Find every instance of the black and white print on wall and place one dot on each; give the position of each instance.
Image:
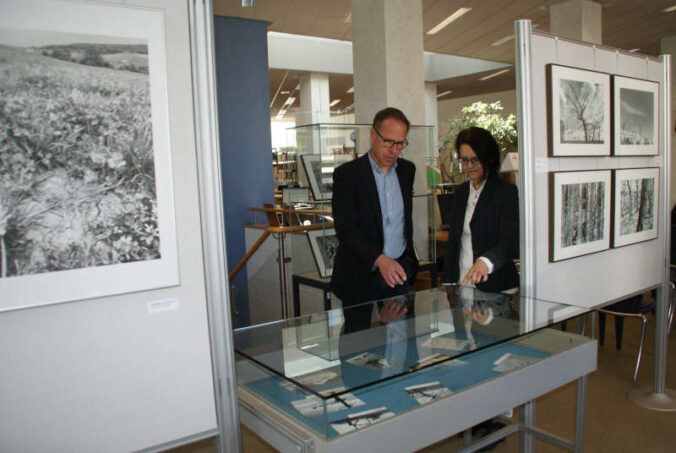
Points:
(635, 109)
(324, 244)
(579, 112)
(579, 213)
(636, 198)
(86, 201)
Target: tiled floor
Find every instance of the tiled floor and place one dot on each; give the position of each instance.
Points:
(612, 422)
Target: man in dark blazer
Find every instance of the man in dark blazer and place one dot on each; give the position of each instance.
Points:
(372, 206)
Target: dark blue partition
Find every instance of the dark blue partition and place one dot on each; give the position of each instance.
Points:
(244, 129)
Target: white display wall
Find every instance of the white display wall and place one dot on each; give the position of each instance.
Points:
(604, 276)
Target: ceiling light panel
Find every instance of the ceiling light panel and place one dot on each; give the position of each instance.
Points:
(453, 17)
(495, 74)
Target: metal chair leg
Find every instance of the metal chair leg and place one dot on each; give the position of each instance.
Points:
(640, 345)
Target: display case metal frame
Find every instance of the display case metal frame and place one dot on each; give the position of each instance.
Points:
(268, 365)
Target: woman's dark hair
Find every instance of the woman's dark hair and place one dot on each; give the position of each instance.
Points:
(484, 146)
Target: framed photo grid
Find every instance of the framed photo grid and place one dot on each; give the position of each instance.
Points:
(579, 213)
(579, 112)
(635, 205)
(635, 115)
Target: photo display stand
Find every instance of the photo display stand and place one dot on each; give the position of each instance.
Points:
(556, 76)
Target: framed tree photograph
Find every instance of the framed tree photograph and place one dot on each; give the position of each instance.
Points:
(635, 205)
(86, 198)
(579, 213)
(323, 243)
(319, 172)
(635, 105)
(579, 112)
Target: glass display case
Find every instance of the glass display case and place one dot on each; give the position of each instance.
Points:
(338, 371)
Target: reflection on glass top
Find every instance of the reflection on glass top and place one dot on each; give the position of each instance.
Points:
(376, 341)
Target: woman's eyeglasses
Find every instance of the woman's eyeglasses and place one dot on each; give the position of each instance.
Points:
(470, 160)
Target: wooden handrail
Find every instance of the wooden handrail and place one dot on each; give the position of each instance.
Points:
(267, 232)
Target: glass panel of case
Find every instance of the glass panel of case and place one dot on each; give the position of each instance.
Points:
(336, 371)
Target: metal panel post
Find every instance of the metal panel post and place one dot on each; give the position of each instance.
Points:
(660, 398)
(212, 221)
(522, 33)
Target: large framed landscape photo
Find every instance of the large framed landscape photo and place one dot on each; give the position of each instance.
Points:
(635, 205)
(635, 105)
(579, 112)
(86, 198)
(579, 213)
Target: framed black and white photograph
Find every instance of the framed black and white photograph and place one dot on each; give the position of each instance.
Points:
(312, 405)
(635, 105)
(324, 244)
(360, 420)
(428, 392)
(319, 172)
(579, 112)
(635, 205)
(579, 213)
(86, 198)
(373, 361)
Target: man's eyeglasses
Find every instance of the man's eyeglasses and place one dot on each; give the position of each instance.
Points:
(469, 160)
(389, 143)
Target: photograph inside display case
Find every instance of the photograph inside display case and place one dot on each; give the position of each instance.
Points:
(324, 244)
(319, 172)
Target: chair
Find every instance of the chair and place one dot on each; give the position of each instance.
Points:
(632, 308)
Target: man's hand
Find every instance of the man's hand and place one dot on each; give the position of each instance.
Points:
(391, 310)
(390, 270)
(477, 273)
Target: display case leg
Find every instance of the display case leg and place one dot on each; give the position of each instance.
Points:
(579, 415)
(527, 417)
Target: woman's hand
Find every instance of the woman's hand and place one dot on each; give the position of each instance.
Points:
(477, 273)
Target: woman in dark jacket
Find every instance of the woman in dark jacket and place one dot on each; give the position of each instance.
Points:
(483, 236)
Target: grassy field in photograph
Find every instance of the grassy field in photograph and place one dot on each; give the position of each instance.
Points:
(77, 182)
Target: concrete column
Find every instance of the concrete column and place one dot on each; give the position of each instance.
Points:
(668, 46)
(387, 43)
(577, 19)
(314, 99)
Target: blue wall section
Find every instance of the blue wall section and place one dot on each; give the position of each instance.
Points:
(244, 129)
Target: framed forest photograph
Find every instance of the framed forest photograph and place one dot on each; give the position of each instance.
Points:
(635, 104)
(324, 244)
(86, 198)
(579, 112)
(579, 213)
(635, 205)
